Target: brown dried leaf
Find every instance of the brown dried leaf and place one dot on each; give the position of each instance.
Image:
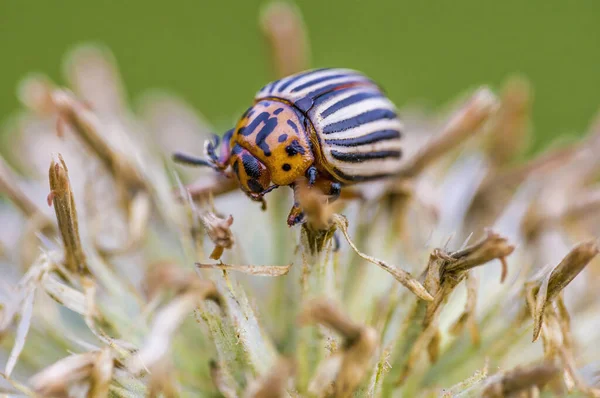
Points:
(327, 313)
(521, 379)
(273, 384)
(92, 72)
(218, 230)
(346, 368)
(66, 214)
(401, 276)
(508, 135)
(570, 267)
(34, 92)
(554, 282)
(462, 125)
(284, 29)
(492, 246)
(162, 381)
(260, 270)
(87, 125)
(92, 367)
(101, 375)
(433, 348)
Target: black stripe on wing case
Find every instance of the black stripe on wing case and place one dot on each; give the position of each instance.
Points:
(363, 118)
(353, 99)
(308, 101)
(269, 87)
(362, 156)
(289, 80)
(359, 178)
(326, 97)
(371, 138)
(317, 81)
(331, 87)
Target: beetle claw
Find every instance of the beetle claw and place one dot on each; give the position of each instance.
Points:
(296, 216)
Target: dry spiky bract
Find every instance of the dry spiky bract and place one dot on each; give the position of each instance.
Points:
(87, 125)
(519, 381)
(61, 196)
(340, 374)
(218, 231)
(283, 28)
(274, 384)
(553, 283)
(139, 292)
(93, 371)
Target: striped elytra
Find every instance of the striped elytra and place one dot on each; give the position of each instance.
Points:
(333, 126)
(355, 126)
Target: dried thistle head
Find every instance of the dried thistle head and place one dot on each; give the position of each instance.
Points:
(115, 294)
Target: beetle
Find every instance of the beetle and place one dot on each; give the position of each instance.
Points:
(335, 127)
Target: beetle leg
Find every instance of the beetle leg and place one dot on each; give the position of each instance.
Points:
(335, 190)
(312, 174)
(296, 215)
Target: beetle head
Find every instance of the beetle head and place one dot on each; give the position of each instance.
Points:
(253, 176)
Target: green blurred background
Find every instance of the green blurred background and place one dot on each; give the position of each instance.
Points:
(213, 55)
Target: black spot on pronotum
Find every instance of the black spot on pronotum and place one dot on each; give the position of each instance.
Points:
(282, 137)
(278, 111)
(251, 166)
(286, 167)
(293, 125)
(254, 186)
(294, 147)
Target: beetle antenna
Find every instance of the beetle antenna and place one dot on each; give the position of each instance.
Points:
(193, 161)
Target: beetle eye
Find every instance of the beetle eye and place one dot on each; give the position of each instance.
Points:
(252, 174)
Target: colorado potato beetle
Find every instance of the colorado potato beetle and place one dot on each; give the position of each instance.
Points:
(335, 127)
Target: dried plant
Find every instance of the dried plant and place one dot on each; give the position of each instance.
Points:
(136, 281)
